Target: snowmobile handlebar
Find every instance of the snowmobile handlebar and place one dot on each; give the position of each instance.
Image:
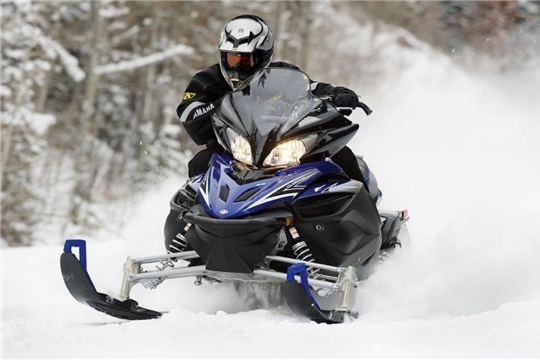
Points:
(364, 107)
(348, 110)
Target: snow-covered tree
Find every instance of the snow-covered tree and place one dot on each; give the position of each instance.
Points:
(29, 57)
(89, 89)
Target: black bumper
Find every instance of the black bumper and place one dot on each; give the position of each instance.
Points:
(233, 245)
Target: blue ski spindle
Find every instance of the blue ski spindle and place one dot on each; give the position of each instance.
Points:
(81, 244)
(301, 270)
(78, 243)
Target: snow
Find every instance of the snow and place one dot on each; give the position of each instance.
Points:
(53, 48)
(460, 151)
(70, 63)
(41, 122)
(179, 49)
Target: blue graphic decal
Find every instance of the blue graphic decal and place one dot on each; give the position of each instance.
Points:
(223, 198)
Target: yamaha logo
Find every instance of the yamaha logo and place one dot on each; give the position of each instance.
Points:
(224, 212)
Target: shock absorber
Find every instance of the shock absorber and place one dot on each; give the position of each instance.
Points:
(303, 253)
(179, 243)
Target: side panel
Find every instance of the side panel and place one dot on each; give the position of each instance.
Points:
(340, 225)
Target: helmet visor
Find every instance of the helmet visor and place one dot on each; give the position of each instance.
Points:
(239, 61)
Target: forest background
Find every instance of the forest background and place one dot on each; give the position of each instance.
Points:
(89, 89)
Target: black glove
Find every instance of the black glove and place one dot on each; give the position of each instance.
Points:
(344, 97)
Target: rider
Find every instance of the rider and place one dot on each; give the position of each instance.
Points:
(245, 45)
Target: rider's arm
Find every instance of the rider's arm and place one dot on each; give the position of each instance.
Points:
(321, 89)
(200, 101)
(341, 96)
(324, 89)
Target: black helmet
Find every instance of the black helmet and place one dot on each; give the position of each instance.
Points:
(246, 45)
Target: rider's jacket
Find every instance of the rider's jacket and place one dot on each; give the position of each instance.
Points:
(203, 96)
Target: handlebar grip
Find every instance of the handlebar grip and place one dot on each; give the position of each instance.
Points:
(348, 110)
(364, 107)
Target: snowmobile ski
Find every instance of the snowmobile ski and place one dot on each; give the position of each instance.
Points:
(300, 304)
(297, 284)
(80, 286)
(300, 300)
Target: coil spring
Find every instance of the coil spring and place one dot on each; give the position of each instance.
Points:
(153, 283)
(303, 253)
(165, 264)
(179, 243)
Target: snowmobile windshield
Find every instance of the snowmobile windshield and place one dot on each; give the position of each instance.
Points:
(275, 101)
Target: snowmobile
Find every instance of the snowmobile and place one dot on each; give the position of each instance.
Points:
(272, 212)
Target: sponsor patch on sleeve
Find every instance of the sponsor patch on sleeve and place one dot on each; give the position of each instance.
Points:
(189, 95)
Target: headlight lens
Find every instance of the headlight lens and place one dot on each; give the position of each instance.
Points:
(288, 153)
(240, 147)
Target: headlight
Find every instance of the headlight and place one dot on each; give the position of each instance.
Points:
(288, 153)
(240, 147)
